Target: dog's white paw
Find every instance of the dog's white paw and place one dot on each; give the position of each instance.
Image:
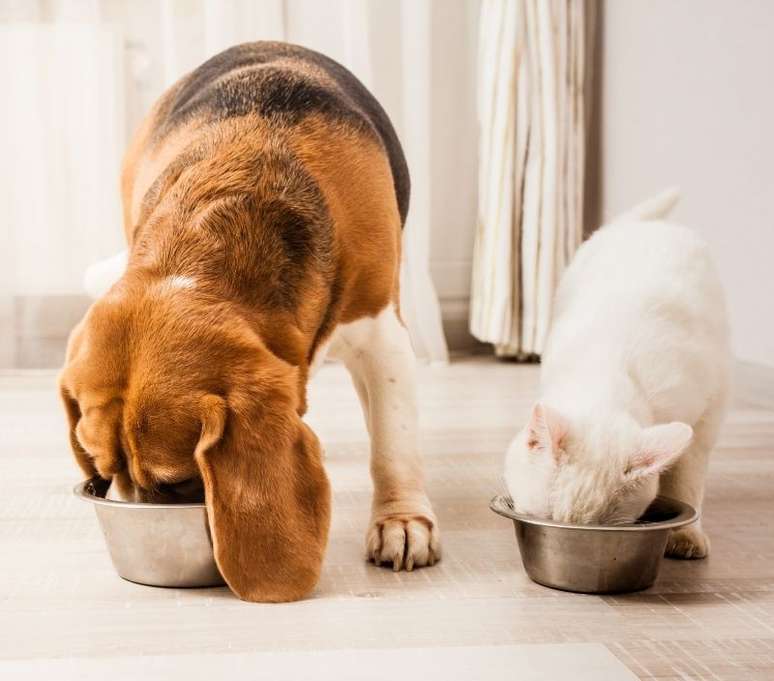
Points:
(404, 540)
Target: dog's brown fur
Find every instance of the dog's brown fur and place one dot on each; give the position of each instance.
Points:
(286, 226)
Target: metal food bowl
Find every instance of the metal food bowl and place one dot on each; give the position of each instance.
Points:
(596, 559)
(155, 544)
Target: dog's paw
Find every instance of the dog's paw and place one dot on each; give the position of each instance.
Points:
(687, 543)
(403, 540)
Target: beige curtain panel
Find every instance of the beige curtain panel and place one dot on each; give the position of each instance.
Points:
(534, 76)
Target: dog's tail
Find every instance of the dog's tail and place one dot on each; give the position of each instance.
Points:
(100, 276)
(655, 208)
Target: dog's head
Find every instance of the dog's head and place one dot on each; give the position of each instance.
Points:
(164, 393)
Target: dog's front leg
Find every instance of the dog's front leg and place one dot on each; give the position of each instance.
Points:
(377, 351)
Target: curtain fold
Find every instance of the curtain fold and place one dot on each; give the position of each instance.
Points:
(419, 303)
(533, 89)
(82, 73)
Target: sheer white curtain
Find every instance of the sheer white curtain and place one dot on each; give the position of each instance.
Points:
(62, 133)
(534, 78)
(77, 76)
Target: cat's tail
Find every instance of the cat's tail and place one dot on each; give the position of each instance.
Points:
(655, 208)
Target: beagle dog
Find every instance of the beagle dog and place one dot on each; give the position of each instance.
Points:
(264, 198)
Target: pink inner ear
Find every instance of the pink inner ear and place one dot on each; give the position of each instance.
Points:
(660, 447)
(546, 429)
(644, 463)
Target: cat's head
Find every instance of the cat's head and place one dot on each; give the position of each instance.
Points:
(601, 472)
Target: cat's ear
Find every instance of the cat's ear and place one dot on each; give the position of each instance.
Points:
(545, 431)
(660, 446)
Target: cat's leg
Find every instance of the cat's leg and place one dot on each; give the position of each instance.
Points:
(685, 481)
(377, 351)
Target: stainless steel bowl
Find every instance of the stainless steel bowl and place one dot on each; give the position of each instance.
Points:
(596, 558)
(155, 544)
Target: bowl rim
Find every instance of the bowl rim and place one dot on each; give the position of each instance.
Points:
(81, 490)
(686, 514)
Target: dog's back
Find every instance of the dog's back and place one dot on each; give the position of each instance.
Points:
(271, 176)
(284, 83)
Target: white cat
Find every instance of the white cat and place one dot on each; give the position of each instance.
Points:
(634, 380)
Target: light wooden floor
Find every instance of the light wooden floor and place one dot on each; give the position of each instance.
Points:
(712, 619)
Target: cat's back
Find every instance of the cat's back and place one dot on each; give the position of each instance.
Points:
(646, 246)
(636, 268)
(642, 300)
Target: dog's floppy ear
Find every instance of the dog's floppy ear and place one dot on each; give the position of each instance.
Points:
(94, 435)
(72, 409)
(73, 417)
(267, 495)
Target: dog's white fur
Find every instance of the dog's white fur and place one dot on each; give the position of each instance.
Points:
(634, 380)
(377, 352)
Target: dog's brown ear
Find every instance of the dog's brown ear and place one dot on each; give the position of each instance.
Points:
(267, 495)
(94, 436)
(73, 412)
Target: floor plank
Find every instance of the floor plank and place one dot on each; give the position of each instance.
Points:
(547, 662)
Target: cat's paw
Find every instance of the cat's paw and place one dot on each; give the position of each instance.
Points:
(687, 543)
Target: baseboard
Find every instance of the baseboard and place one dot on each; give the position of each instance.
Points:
(40, 328)
(452, 284)
(754, 383)
(451, 278)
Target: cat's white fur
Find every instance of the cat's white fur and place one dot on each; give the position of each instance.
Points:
(634, 380)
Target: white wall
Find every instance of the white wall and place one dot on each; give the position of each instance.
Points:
(688, 99)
